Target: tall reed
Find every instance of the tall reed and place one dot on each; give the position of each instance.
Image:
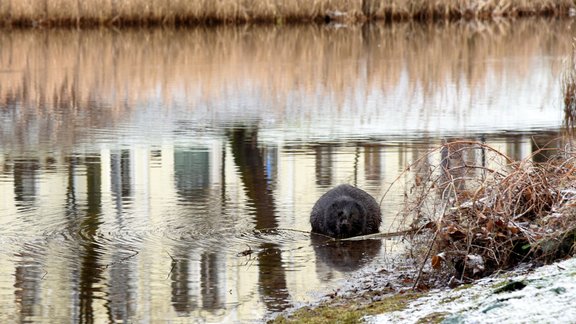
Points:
(188, 12)
(434, 9)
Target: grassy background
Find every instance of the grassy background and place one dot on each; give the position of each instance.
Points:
(189, 12)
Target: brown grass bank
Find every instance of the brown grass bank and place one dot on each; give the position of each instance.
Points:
(30, 13)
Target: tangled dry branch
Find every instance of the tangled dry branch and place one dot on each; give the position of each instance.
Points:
(476, 211)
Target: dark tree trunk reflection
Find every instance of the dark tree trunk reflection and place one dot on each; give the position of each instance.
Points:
(252, 168)
(90, 267)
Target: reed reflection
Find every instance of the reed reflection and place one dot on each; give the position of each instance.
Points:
(105, 78)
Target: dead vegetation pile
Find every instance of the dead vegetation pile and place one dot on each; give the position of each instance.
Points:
(474, 210)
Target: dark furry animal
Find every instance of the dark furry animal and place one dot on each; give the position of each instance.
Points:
(346, 211)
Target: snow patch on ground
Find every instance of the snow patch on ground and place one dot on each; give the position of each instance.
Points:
(549, 296)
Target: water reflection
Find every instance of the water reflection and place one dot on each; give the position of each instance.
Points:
(90, 272)
(324, 165)
(147, 175)
(253, 168)
(343, 256)
(27, 276)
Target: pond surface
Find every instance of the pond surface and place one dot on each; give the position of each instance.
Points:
(167, 175)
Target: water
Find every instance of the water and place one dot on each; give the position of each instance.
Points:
(168, 175)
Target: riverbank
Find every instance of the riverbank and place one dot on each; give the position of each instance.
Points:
(527, 294)
(73, 13)
(478, 219)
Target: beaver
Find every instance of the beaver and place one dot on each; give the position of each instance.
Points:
(346, 211)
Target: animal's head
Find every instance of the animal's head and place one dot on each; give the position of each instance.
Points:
(345, 218)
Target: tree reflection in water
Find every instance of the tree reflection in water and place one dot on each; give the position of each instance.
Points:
(251, 165)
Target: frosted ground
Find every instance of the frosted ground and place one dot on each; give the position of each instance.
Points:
(542, 295)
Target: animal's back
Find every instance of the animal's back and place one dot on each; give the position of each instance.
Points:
(360, 211)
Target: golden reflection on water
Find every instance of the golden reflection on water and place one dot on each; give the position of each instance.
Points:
(136, 164)
(64, 81)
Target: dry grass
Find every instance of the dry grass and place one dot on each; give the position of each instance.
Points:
(186, 12)
(481, 212)
(442, 9)
(167, 12)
